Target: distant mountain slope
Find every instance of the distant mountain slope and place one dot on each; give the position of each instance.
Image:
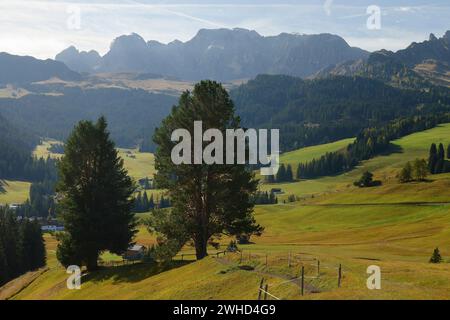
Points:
(132, 114)
(15, 149)
(420, 65)
(81, 61)
(220, 54)
(310, 112)
(24, 69)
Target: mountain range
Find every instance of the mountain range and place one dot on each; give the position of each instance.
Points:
(339, 101)
(417, 66)
(219, 54)
(24, 69)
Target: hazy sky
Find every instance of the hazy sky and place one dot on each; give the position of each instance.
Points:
(42, 28)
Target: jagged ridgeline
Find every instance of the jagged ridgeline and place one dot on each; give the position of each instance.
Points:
(418, 66)
(219, 54)
(310, 112)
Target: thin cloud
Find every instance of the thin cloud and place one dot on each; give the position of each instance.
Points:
(39, 27)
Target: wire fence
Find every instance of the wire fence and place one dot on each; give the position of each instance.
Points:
(307, 272)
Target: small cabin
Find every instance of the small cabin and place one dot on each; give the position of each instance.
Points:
(135, 252)
(276, 191)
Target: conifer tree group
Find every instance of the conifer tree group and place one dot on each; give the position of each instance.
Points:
(437, 162)
(22, 247)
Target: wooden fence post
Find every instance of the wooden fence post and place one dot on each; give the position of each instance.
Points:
(266, 260)
(339, 275)
(182, 257)
(318, 268)
(260, 288)
(266, 289)
(303, 280)
(240, 261)
(289, 260)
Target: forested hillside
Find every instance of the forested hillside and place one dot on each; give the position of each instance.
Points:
(311, 112)
(132, 114)
(420, 65)
(15, 156)
(20, 69)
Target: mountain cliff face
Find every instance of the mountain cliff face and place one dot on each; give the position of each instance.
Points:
(81, 61)
(419, 65)
(23, 69)
(221, 54)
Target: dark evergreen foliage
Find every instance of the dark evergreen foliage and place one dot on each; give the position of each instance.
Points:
(96, 196)
(436, 160)
(436, 256)
(369, 143)
(22, 247)
(207, 200)
(310, 112)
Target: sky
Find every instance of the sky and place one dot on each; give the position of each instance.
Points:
(43, 28)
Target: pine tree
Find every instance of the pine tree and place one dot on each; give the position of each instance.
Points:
(289, 174)
(145, 202)
(366, 180)
(96, 196)
(151, 202)
(281, 174)
(10, 238)
(138, 203)
(440, 159)
(32, 245)
(436, 256)
(207, 199)
(299, 171)
(432, 158)
(4, 276)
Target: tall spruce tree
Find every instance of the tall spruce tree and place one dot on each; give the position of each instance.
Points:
(3, 265)
(96, 196)
(21, 246)
(281, 174)
(432, 158)
(207, 199)
(289, 174)
(440, 159)
(32, 245)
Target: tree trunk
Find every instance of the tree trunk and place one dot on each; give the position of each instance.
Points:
(201, 250)
(91, 263)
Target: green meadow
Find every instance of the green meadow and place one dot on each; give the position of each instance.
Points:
(394, 226)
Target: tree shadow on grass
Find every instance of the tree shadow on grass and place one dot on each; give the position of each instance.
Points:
(131, 273)
(2, 186)
(392, 148)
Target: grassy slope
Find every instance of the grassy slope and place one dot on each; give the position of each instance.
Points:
(314, 152)
(138, 164)
(13, 191)
(383, 228)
